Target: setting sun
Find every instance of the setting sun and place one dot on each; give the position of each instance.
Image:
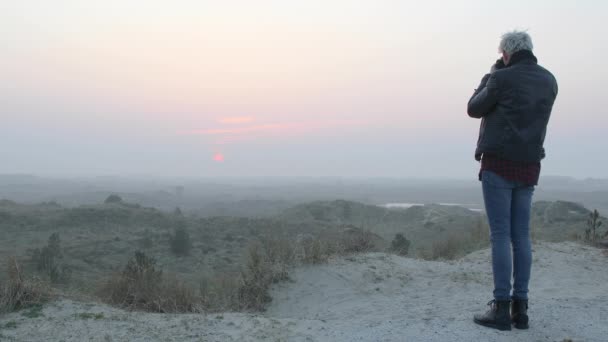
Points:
(218, 157)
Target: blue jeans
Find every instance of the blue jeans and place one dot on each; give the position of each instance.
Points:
(508, 206)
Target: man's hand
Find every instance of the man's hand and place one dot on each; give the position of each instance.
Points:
(498, 65)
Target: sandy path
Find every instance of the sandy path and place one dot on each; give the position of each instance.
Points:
(371, 297)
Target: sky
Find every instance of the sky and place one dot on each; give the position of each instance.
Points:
(283, 88)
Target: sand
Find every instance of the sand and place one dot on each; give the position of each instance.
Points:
(367, 297)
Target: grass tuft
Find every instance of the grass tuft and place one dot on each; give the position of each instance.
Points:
(143, 286)
(21, 292)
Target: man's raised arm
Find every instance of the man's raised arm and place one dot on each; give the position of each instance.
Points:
(485, 97)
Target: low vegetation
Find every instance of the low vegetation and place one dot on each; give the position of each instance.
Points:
(180, 242)
(20, 292)
(113, 199)
(455, 246)
(594, 224)
(89, 315)
(400, 245)
(270, 260)
(218, 263)
(257, 277)
(143, 286)
(47, 262)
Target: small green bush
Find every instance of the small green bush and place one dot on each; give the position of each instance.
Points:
(180, 242)
(592, 234)
(400, 244)
(11, 325)
(113, 199)
(90, 315)
(46, 261)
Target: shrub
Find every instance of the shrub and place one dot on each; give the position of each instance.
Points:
(355, 240)
(142, 268)
(54, 245)
(400, 244)
(268, 262)
(256, 280)
(113, 199)
(20, 292)
(180, 242)
(594, 223)
(142, 286)
(46, 261)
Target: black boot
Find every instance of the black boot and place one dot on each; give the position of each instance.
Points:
(497, 317)
(519, 313)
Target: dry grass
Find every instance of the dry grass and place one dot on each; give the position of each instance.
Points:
(219, 292)
(277, 250)
(141, 286)
(315, 251)
(257, 277)
(447, 249)
(268, 261)
(351, 240)
(356, 241)
(21, 292)
(455, 246)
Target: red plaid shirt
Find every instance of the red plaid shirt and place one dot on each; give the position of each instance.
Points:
(527, 173)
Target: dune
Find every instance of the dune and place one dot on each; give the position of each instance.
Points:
(365, 297)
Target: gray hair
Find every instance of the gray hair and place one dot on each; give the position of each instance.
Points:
(514, 41)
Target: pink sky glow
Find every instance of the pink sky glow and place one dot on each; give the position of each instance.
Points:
(144, 86)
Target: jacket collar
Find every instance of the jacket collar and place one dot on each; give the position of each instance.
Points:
(524, 57)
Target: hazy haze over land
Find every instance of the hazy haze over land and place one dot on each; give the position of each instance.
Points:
(267, 88)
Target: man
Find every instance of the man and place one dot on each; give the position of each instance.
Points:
(514, 102)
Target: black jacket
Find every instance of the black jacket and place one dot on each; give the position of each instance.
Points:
(515, 104)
